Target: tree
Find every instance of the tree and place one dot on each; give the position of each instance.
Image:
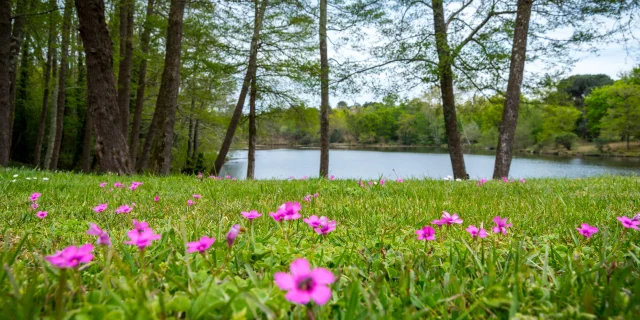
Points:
(5, 83)
(324, 92)
(62, 89)
(504, 152)
(251, 155)
(142, 82)
(622, 119)
(111, 145)
(578, 87)
(15, 47)
(126, 9)
(559, 121)
(252, 65)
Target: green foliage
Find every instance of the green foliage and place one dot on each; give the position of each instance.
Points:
(622, 119)
(542, 268)
(559, 121)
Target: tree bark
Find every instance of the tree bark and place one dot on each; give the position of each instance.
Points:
(51, 139)
(62, 74)
(126, 62)
(190, 139)
(251, 163)
(111, 145)
(504, 153)
(446, 88)
(45, 98)
(252, 65)
(143, 162)
(195, 139)
(5, 82)
(142, 81)
(15, 47)
(167, 102)
(324, 92)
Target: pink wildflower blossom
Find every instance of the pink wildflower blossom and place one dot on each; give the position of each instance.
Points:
(233, 234)
(501, 225)
(142, 239)
(586, 230)
(201, 245)
(34, 197)
(303, 284)
(100, 208)
(448, 219)
(135, 185)
(103, 237)
(426, 233)
(34, 206)
(140, 225)
(290, 210)
(190, 202)
(197, 196)
(251, 214)
(72, 256)
(477, 233)
(277, 216)
(102, 185)
(42, 214)
(124, 209)
(629, 223)
(118, 185)
(325, 226)
(156, 198)
(312, 221)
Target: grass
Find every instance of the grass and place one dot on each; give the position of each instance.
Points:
(541, 269)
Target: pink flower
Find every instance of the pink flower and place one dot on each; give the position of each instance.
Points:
(199, 175)
(325, 226)
(307, 198)
(135, 185)
(118, 185)
(482, 181)
(475, 232)
(399, 180)
(426, 233)
(100, 208)
(103, 237)
(315, 195)
(233, 234)
(523, 180)
(292, 178)
(586, 230)
(34, 206)
(251, 214)
(505, 180)
(227, 177)
(332, 177)
(290, 210)
(304, 284)
(102, 185)
(277, 216)
(156, 198)
(200, 246)
(197, 196)
(312, 221)
(140, 225)
(629, 223)
(71, 257)
(382, 182)
(124, 209)
(370, 183)
(448, 219)
(233, 179)
(34, 197)
(41, 214)
(501, 225)
(637, 217)
(142, 239)
(305, 178)
(190, 202)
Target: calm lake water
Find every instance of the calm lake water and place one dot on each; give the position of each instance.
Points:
(417, 163)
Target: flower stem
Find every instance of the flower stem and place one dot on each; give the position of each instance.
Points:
(60, 293)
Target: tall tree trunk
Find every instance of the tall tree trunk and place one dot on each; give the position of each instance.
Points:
(126, 61)
(45, 98)
(143, 162)
(17, 37)
(167, 102)
(51, 139)
(235, 118)
(62, 74)
(324, 92)
(5, 82)
(111, 145)
(142, 81)
(446, 88)
(506, 139)
(251, 163)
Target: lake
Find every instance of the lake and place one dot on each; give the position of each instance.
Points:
(417, 163)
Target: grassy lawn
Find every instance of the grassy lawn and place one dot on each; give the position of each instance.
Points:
(542, 267)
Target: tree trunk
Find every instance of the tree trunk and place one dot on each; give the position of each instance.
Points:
(190, 139)
(15, 46)
(324, 92)
(86, 143)
(126, 58)
(446, 88)
(5, 83)
(142, 81)
(195, 139)
(62, 74)
(143, 162)
(45, 98)
(51, 139)
(251, 163)
(252, 65)
(506, 139)
(111, 145)
(167, 102)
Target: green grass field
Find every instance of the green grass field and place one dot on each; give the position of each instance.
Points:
(543, 268)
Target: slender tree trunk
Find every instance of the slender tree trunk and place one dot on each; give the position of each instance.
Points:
(190, 139)
(324, 92)
(195, 139)
(142, 75)
(251, 163)
(62, 74)
(51, 139)
(235, 118)
(506, 139)
(167, 102)
(5, 82)
(111, 145)
(446, 88)
(126, 62)
(143, 162)
(45, 98)
(17, 37)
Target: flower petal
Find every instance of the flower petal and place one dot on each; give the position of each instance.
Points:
(321, 294)
(300, 267)
(284, 280)
(298, 296)
(322, 276)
